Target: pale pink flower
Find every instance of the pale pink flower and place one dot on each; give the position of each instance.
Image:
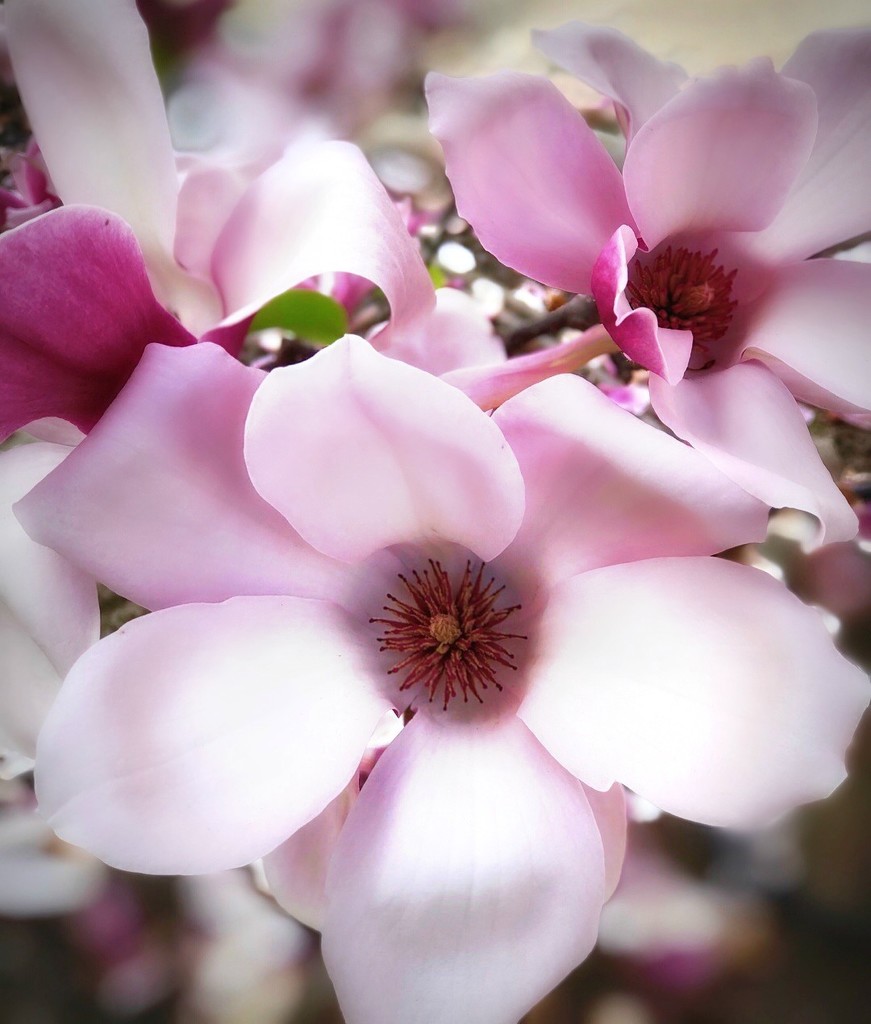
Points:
(698, 255)
(351, 558)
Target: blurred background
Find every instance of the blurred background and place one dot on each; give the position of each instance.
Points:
(707, 926)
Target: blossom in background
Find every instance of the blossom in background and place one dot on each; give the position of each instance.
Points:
(698, 255)
(77, 306)
(530, 585)
(48, 612)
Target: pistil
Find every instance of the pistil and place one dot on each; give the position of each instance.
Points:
(687, 291)
(449, 637)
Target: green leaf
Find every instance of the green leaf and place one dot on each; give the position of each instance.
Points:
(309, 315)
(437, 275)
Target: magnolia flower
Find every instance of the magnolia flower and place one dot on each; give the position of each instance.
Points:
(352, 535)
(698, 256)
(79, 300)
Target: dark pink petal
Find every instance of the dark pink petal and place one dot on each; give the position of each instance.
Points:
(76, 312)
(814, 320)
(390, 455)
(532, 179)
(199, 737)
(747, 423)
(157, 502)
(319, 209)
(615, 66)
(721, 155)
(604, 487)
(88, 84)
(831, 201)
(490, 386)
(48, 610)
(729, 706)
(467, 845)
(661, 350)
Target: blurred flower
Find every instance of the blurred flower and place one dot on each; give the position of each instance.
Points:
(39, 876)
(700, 269)
(48, 612)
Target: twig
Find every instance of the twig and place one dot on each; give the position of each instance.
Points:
(579, 313)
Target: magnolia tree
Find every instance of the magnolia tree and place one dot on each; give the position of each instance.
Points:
(422, 605)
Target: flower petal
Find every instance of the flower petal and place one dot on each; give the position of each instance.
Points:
(603, 487)
(490, 386)
(198, 738)
(729, 706)
(614, 65)
(48, 609)
(456, 334)
(747, 423)
(410, 458)
(157, 502)
(831, 201)
(320, 208)
(76, 312)
(814, 320)
(466, 845)
(612, 820)
(296, 871)
(661, 350)
(88, 84)
(722, 154)
(540, 190)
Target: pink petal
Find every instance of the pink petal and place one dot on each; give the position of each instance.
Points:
(198, 738)
(76, 312)
(466, 845)
(612, 820)
(532, 179)
(409, 458)
(747, 423)
(661, 350)
(814, 320)
(457, 333)
(831, 201)
(88, 84)
(615, 66)
(603, 487)
(297, 870)
(490, 386)
(318, 209)
(48, 608)
(157, 502)
(722, 154)
(729, 706)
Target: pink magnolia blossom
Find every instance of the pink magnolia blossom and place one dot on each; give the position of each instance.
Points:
(351, 535)
(699, 254)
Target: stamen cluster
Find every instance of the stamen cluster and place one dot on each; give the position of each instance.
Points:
(449, 638)
(686, 291)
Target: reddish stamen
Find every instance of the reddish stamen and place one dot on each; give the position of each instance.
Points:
(448, 639)
(687, 292)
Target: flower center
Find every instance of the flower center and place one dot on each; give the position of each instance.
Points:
(449, 637)
(687, 292)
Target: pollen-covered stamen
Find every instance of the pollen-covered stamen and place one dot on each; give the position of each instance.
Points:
(449, 638)
(686, 291)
